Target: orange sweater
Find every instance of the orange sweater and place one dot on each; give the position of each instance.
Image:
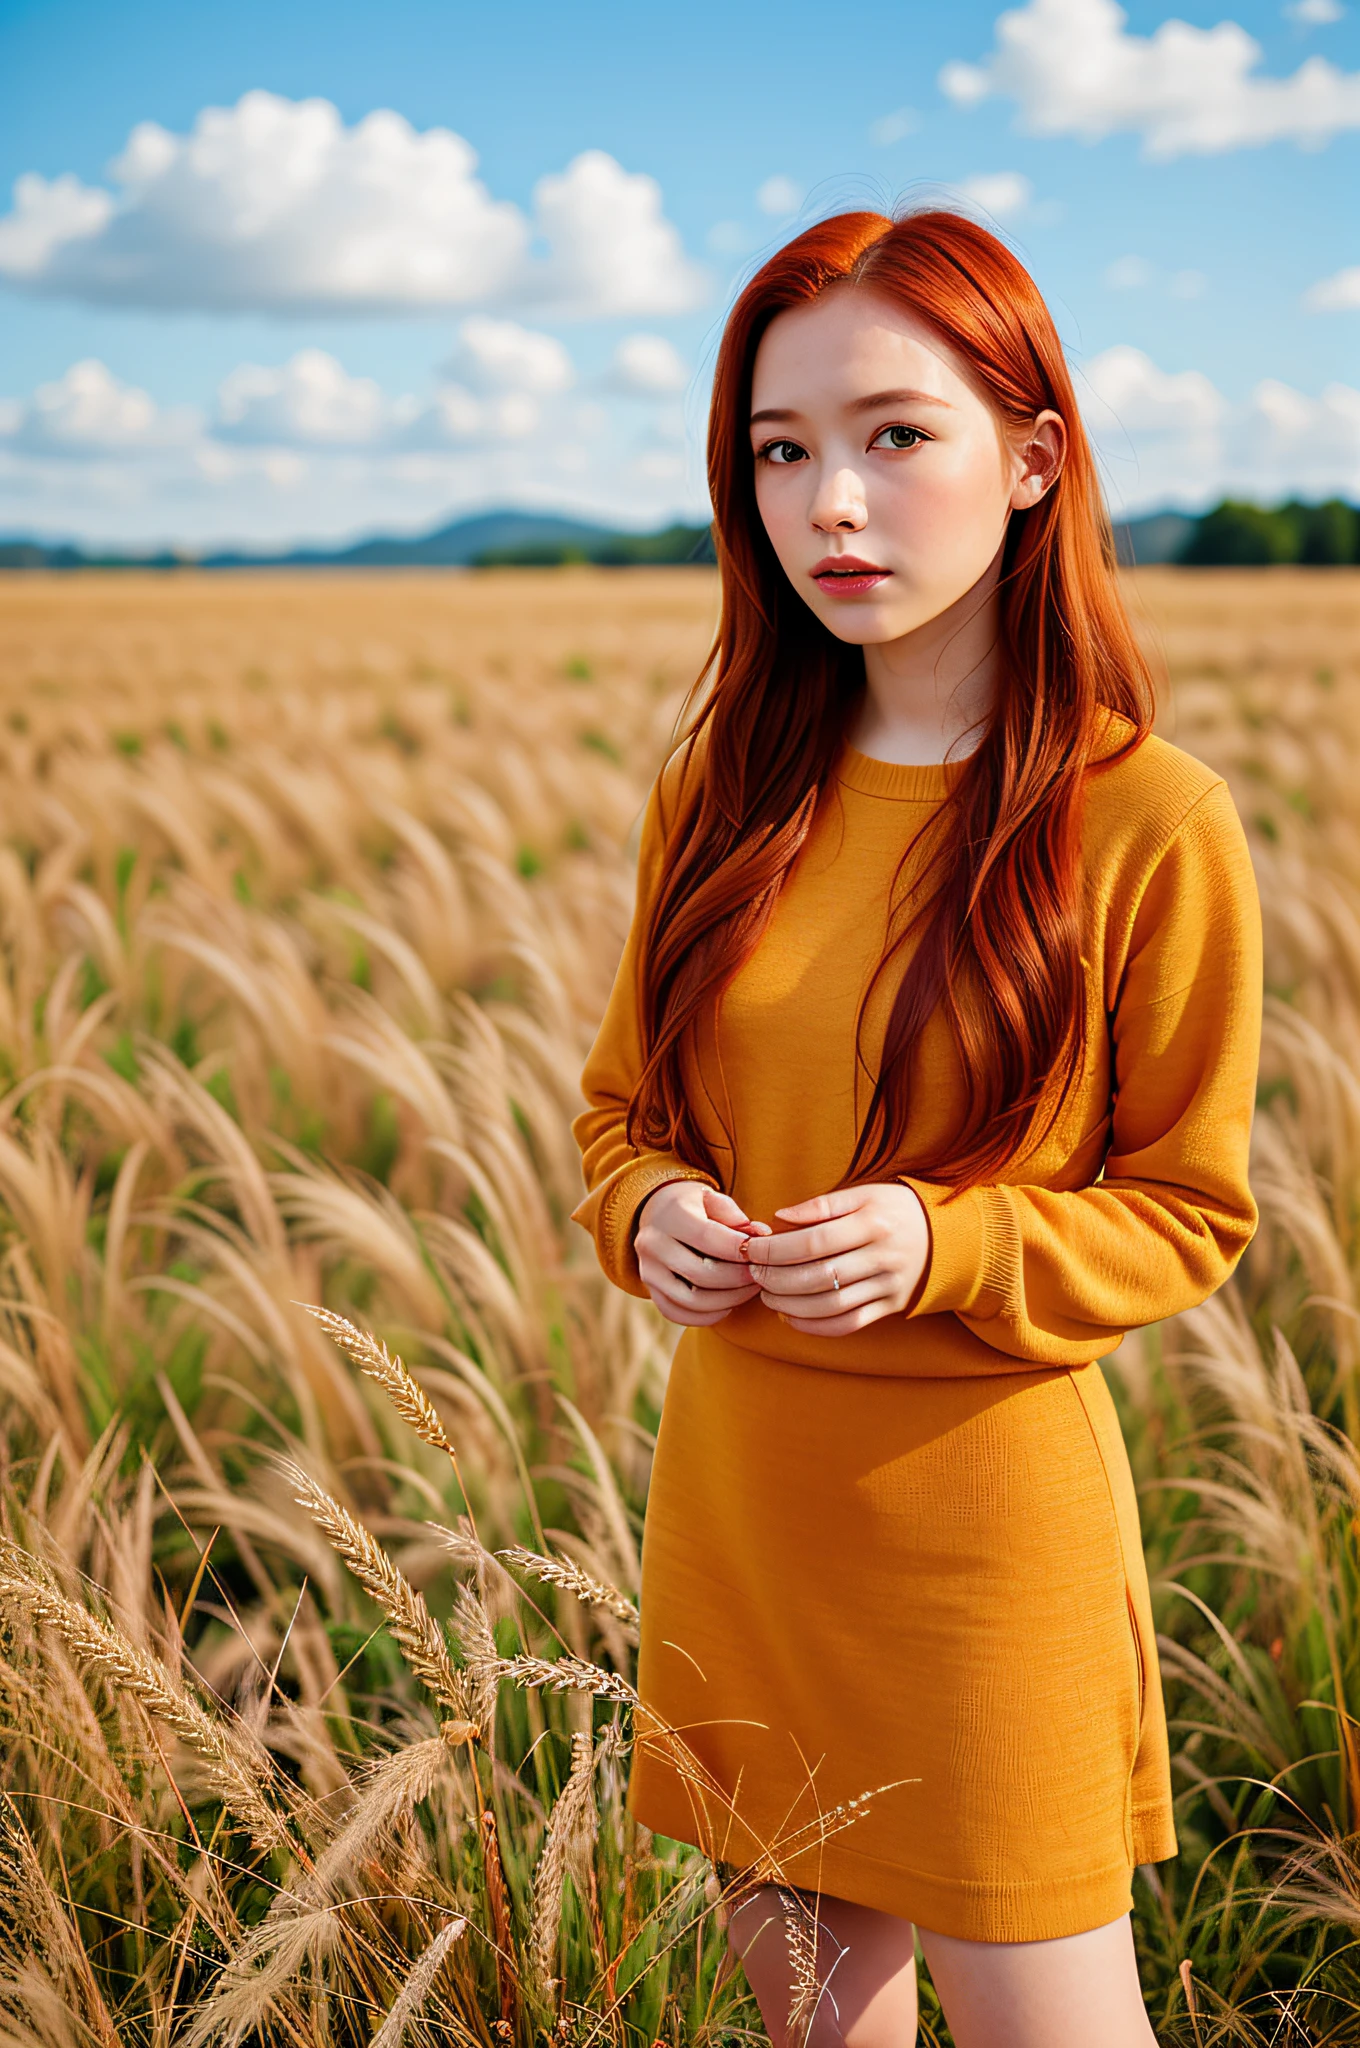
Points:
(958, 1464)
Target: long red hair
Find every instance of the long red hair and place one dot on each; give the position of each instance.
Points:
(999, 921)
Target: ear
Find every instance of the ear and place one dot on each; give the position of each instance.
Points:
(1042, 453)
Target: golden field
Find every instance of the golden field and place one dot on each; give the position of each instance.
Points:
(311, 889)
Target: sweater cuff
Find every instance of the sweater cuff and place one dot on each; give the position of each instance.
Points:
(966, 1272)
(610, 1212)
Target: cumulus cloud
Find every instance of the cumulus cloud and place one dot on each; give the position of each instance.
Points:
(303, 448)
(779, 196)
(459, 418)
(1337, 294)
(1000, 193)
(612, 250)
(311, 402)
(266, 418)
(648, 365)
(1171, 438)
(311, 398)
(1073, 69)
(500, 355)
(276, 205)
(89, 412)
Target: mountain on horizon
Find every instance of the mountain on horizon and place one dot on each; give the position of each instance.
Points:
(503, 536)
(456, 545)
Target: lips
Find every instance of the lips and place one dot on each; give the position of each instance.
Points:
(848, 575)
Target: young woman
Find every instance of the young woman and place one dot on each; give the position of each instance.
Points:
(928, 1073)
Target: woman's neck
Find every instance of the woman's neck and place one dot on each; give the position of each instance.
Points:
(935, 688)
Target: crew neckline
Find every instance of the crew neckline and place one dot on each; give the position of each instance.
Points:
(908, 782)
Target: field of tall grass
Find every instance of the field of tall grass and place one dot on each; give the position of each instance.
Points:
(316, 1635)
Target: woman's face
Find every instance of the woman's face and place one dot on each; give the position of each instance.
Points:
(884, 480)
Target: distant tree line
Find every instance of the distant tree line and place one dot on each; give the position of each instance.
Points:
(1234, 535)
(1238, 535)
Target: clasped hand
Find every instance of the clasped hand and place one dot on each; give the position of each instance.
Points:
(700, 1256)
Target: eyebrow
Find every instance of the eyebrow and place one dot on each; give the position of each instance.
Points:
(872, 403)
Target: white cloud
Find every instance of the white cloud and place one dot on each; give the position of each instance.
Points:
(1073, 69)
(1000, 193)
(1136, 274)
(88, 412)
(894, 127)
(458, 418)
(48, 213)
(612, 248)
(1337, 294)
(1315, 13)
(728, 238)
(1147, 401)
(276, 205)
(648, 365)
(1173, 439)
(1128, 274)
(310, 399)
(304, 450)
(779, 196)
(659, 465)
(500, 355)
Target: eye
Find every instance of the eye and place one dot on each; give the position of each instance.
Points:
(781, 452)
(899, 437)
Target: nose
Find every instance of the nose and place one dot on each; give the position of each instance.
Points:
(839, 505)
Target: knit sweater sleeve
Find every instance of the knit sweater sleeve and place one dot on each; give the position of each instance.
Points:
(619, 1176)
(1056, 1277)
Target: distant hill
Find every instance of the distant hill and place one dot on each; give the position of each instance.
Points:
(486, 539)
(455, 546)
(1231, 533)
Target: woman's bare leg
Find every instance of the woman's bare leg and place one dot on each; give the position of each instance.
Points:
(1070, 1993)
(866, 1962)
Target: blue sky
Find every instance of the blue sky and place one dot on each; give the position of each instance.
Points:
(274, 323)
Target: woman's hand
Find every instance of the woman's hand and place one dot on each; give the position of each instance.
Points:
(689, 1251)
(873, 1239)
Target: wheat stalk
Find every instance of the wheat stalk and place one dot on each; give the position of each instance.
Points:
(416, 1989)
(26, 1899)
(413, 1626)
(482, 1660)
(300, 1924)
(498, 1903)
(800, 1934)
(376, 1362)
(561, 1571)
(569, 1674)
(570, 1830)
(235, 1767)
(243, 1997)
(388, 1792)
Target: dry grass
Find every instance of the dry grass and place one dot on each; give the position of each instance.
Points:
(310, 893)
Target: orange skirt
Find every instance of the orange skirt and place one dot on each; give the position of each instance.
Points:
(927, 1591)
